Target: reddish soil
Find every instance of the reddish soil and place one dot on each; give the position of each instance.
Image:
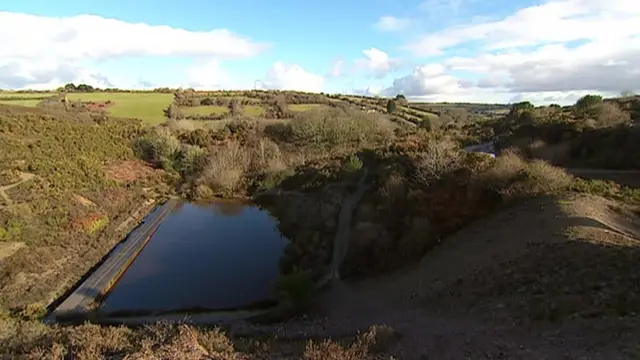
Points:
(86, 222)
(98, 105)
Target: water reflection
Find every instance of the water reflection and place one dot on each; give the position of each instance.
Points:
(215, 256)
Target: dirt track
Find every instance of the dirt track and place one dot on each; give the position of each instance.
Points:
(624, 177)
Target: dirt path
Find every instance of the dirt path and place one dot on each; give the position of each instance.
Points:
(434, 328)
(24, 177)
(629, 178)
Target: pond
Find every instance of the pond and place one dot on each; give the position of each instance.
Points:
(220, 256)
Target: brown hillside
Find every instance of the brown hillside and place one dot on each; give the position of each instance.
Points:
(549, 278)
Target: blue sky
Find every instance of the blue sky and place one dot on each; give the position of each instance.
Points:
(459, 50)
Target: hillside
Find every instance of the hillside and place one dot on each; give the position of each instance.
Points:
(540, 279)
(74, 180)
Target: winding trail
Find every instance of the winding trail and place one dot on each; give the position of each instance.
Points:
(24, 177)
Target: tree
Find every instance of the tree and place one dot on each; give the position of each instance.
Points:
(426, 123)
(235, 107)
(527, 118)
(588, 105)
(402, 100)
(522, 106)
(391, 106)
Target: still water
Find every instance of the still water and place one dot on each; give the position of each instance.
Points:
(217, 256)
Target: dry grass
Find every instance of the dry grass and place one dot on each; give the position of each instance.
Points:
(377, 339)
(438, 159)
(514, 177)
(225, 168)
(610, 114)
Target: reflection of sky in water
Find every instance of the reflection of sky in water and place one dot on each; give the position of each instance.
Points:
(214, 256)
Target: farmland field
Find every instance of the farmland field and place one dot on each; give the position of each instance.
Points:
(306, 107)
(204, 110)
(145, 106)
(21, 102)
(6, 94)
(253, 110)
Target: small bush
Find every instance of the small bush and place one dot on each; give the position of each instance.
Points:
(225, 169)
(192, 159)
(438, 159)
(159, 147)
(610, 114)
(513, 177)
(353, 164)
(266, 156)
(296, 288)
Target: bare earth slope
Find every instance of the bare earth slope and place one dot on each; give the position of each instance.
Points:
(549, 278)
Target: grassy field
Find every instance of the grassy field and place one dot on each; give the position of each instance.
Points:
(145, 106)
(26, 103)
(253, 110)
(306, 107)
(204, 110)
(6, 94)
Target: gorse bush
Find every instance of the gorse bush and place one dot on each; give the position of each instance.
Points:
(338, 128)
(191, 160)
(159, 147)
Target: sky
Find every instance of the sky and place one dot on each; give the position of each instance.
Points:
(495, 51)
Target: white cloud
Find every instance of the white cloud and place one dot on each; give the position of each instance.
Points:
(52, 50)
(95, 37)
(551, 22)
(208, 76)
(392, 23)
(373, 90)
(376, 62)
(283, 76)
(554, 52)
(337, 69)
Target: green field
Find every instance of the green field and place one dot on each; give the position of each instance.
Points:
(27, 103)
(253, 110)
(204, 110)
(306, 107)
(145, 106)
(6, 94)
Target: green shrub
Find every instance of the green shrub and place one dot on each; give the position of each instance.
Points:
(353, 164)
(159, 147)
(296, 288)
(335, 128)
(192, 159)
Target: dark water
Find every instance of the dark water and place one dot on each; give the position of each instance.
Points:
(215, 256)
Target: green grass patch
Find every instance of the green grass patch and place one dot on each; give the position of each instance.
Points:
(306, 107)
(98, 225)
(4, 95)
(204, 110)
(26, 103)
(145, 106)
(253, 110)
